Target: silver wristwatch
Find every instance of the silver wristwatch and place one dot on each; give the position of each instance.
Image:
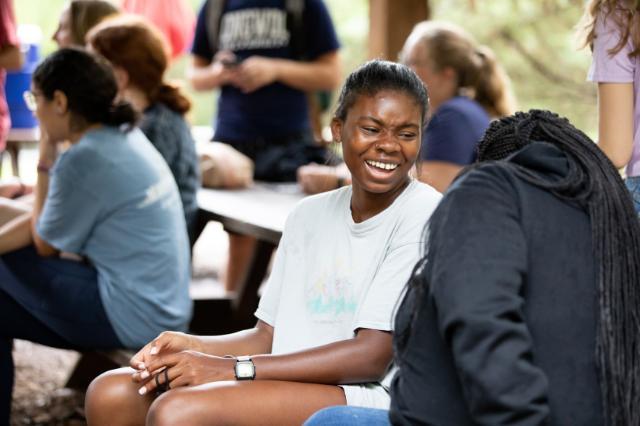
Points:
(244, 368)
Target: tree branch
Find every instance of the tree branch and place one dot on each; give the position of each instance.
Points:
(576, 89)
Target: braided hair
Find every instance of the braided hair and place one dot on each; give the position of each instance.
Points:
(594, 184)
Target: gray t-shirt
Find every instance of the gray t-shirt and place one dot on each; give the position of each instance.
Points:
(113, 200)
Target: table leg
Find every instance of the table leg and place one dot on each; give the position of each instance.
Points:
(14, 150)
(247, 299)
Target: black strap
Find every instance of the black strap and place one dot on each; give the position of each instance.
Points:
(214, 19)
(295, 25)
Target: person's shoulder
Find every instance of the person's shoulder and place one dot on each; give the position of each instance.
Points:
(98, 139)
(135, 135)
(162, 115)
(459, 114)
(324, 200)
(606, 21)
(161, 120)
(323, 205)
(88, 155)
(419, 193)
(417, 201)
(486, 177)
(463, 107)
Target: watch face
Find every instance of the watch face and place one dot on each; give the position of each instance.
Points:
(245, 370)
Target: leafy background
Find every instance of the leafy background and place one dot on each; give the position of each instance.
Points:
(533, 39)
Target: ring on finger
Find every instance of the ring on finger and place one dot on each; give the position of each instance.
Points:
(162, 387)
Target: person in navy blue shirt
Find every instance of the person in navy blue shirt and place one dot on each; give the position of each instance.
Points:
(467, 88)
(262, 108)
(263, 70)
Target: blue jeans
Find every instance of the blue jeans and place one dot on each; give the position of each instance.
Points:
(349, 416)
(51, 301)
(633, 185)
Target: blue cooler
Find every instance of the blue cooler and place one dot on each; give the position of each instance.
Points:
(18, 82)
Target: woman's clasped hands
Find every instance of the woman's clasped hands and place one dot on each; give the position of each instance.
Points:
(176, 359)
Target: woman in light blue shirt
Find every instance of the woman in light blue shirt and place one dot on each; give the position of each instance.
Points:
(110, 199)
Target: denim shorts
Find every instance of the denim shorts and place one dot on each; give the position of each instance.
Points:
(633, 185)
(349, 416)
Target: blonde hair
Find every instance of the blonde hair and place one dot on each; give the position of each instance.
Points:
(480, 77)
(625, 15)
(85, 14)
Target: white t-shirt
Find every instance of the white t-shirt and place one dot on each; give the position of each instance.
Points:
(332, 276)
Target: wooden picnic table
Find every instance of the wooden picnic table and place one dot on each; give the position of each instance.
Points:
(17, 139)
(259, 211)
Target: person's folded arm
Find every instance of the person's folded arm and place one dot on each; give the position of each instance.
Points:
(364, 358)
(256, 340)
(206, 74)
(478, 271)
(323, 73)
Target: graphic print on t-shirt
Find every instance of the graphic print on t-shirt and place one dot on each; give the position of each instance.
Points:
(254, 29)
(330, 297)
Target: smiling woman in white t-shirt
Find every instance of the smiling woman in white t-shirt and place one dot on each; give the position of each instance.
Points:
(323, 333)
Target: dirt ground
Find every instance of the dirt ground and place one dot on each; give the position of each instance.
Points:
(39, 397)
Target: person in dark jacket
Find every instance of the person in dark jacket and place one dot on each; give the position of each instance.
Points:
(525, 308)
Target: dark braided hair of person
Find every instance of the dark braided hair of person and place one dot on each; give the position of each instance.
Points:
(376, 76)
(594, 184)
(88, 83)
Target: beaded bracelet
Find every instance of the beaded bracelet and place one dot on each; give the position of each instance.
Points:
(43, 168)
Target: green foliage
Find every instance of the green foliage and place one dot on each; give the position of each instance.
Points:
(44, 14)
(533, 39)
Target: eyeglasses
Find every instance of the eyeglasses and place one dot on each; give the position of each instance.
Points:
(30, 100)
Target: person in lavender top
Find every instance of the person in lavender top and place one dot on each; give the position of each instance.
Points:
(615, 45)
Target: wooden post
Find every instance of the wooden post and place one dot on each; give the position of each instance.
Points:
(390, 22)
